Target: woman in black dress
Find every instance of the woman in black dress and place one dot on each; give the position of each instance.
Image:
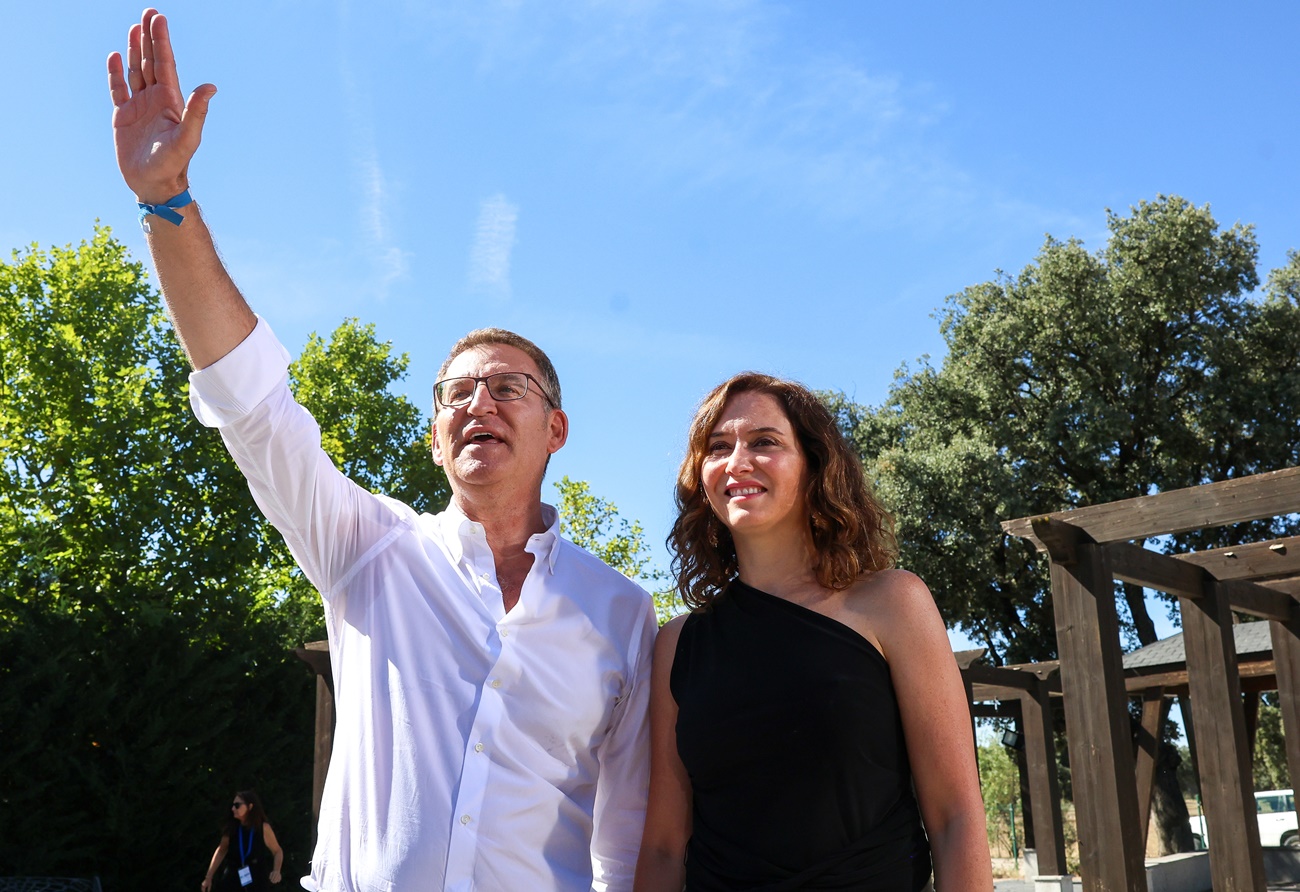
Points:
(809, 727)
(249, 842)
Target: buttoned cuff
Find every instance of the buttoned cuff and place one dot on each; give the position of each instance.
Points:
(236, 383)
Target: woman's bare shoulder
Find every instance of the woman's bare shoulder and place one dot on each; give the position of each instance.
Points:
(666, 639)
(897, 607)
(891, 587)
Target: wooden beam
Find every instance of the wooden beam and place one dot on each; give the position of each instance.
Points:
(1176, 511)
(1147, 752)
(995, 710)
(1097, 722)
(1044, 788)
(1151, 569)
(1255, 561)
(1236, 861)
(1255, 599)
(1286, 657)
(998, 676)
(1057, 538)
(1137, 683)
(1178, 575)
(1288, 584)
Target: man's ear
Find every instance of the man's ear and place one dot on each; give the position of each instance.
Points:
(557, 427)
(436, 446)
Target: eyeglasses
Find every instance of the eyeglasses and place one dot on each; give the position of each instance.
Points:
(502, 387)
(239, 805)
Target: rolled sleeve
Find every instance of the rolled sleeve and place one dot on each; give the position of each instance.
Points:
(238, 382)
(621, 788)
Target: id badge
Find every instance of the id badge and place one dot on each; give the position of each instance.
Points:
(245, 876)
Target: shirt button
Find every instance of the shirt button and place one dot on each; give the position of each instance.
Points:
(464, 819)
(483, 576)
(478, 747)
(496, 682)
(505, 633)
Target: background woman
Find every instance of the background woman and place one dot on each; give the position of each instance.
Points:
(250, 842)
(811, 687)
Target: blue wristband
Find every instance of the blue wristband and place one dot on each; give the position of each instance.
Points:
(166, 210)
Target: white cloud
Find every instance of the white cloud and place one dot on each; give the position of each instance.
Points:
(494, 239)
(388, 262)
(713, 95)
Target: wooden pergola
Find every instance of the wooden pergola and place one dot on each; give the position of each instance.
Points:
(1090, 548)
(1022, 694)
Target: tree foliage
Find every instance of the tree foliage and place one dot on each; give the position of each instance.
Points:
(146, 608)
(1000, 789)
(1087, 378)
(595, 524)
(1146, 366)
(1270, 767)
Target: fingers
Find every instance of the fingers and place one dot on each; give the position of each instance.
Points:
(146, 47)
(134, 78)
(117, 80)
(196, 112)
(164, 62)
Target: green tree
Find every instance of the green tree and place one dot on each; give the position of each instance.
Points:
(378, 438)
(1087, 378)
(145, 606)
(1000, 788)
(1270, 768)
(595, 524)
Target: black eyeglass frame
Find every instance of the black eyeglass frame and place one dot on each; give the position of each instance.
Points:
(484, 381)
(239, 805)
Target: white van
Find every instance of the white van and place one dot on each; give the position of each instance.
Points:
(1275, 811)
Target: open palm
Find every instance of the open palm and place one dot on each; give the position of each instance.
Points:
(154, 131)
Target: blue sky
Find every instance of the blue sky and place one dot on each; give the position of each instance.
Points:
(663, 193)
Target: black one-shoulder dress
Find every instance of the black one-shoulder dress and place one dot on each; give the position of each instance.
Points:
(789, 729)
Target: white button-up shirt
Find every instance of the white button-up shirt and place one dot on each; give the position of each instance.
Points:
(474, 749)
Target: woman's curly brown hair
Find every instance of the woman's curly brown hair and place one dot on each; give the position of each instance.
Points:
(852, 533)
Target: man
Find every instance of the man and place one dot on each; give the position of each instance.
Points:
(490, 678)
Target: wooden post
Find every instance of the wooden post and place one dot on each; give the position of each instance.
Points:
(1250, 710)
(316, 654)
(1098, 728)
(1286, 659)
(1236, 861)
(324, 746)
(1044, 789)
(1154, 710)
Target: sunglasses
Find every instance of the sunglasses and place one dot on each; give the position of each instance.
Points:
(238, 804)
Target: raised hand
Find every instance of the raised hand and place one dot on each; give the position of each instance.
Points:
(155, 133)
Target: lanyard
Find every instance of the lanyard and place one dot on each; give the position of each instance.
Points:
(243, 854)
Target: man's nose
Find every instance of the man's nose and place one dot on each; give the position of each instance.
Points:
(481, 403)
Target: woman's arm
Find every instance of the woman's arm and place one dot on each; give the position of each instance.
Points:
(661, 867)
(937, 727)
(268, 836)
(217, 857)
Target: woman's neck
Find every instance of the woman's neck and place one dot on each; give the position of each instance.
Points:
(782, 568)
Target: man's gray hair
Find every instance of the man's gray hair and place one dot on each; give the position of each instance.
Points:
(488, 336)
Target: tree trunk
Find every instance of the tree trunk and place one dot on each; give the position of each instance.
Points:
(1173, 830)
(1173, 824)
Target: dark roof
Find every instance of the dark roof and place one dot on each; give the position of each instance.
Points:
(1251, 639)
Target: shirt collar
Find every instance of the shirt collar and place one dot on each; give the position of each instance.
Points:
(458, 531)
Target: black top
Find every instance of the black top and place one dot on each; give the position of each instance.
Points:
(260, 858)
(789, 729)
